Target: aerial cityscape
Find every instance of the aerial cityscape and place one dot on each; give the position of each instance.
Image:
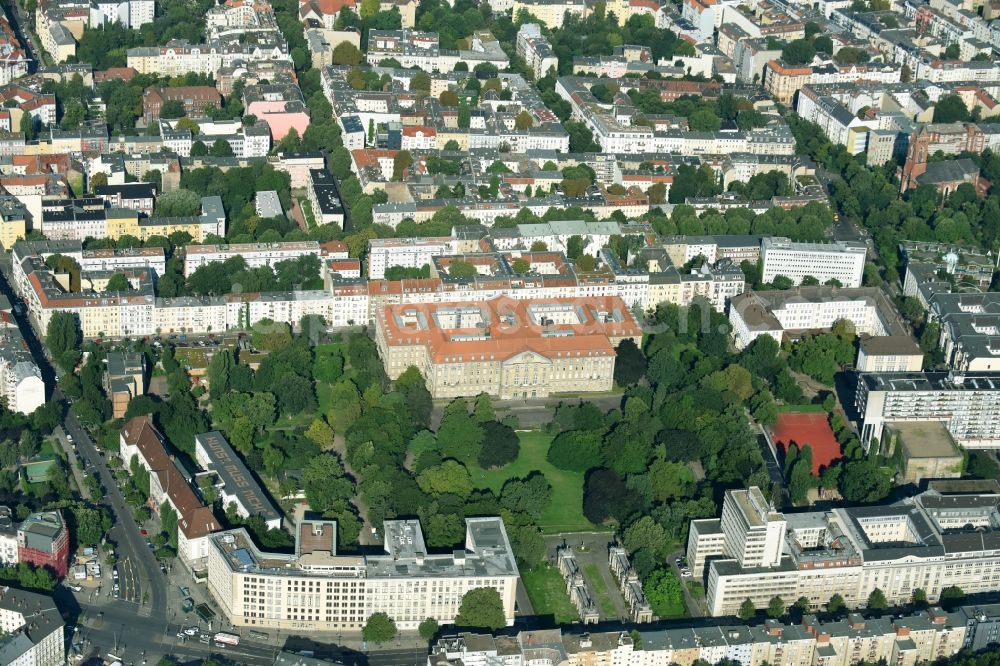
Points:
(499, 332)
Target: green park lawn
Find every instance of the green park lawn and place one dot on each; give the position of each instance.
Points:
(547, 593)
(608, 610)
(565, 513)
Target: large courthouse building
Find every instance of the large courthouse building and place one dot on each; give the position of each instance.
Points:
(507, 348)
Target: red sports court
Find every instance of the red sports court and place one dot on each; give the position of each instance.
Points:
(807, 428)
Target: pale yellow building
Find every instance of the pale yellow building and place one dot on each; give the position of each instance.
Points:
(889, 353)
(506, 348)
(13, 221)
(550, 13)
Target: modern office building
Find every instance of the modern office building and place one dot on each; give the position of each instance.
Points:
(842, 261)
(316, 588)
(946, 536)
(967, 403)
(509, 349)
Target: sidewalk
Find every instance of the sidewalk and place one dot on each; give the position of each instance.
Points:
(74, 464)
(179, 576)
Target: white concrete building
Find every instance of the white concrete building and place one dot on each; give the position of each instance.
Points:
(385, 253)
(316, 589)
(967, 403)
(129, 13)
(929, 541)
(793, 311)
(256, 255)
(843, 261)
(21, 386)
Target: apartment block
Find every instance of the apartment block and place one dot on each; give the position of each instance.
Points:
(178, 57)
(535, 50)
(92, 217)
(843, 261)
(412, 48)
(22, 388)
(324, 197)
(315, 588)
(33, 628)
(507, 349)
(13, 60)
(551, 13)
(256, 255)
(119, 259)
(924, 636)
(942, 537)
(386, 253)
(970, 329)
(135, 196)
(616, 134)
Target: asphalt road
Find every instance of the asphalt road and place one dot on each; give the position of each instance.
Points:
(138, 567)
(18, 19)
(145, 580)
(116, 629)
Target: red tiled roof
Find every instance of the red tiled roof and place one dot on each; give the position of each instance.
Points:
(194, 519)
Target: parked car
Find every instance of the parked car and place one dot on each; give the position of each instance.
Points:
(192, 631)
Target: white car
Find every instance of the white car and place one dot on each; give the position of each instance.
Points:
(76, 588)
(192, 631)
